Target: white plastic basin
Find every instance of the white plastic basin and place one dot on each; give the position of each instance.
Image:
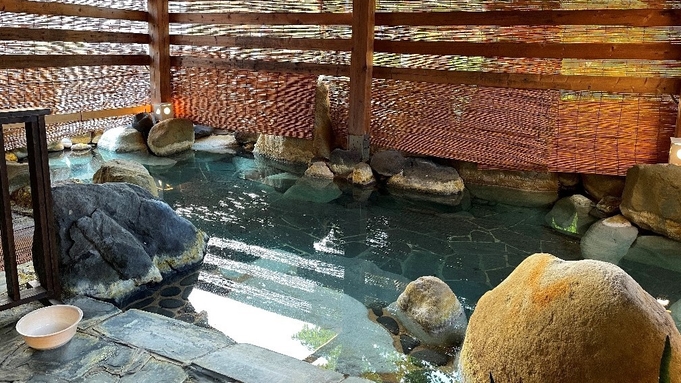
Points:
(49, 327)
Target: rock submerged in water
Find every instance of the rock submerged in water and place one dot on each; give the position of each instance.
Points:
(423, 176)
(569, 321)
(652, 198)
(571, 216)
(431, 312)
(126, 171)
(116, 240)
(608, 239)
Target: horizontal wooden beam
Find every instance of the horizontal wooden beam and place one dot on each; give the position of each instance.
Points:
(586, 51)
(26, 34)
(46, 61)
(626, 17)
(264, 66)
(531, 81)
(263, 18)
(264, 42)
(91, 115)
(61, 9)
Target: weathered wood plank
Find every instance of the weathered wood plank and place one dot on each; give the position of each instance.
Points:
(263, 42)
(586, 51)
(359, 120)
(159, 50)
(46, 61)
(262, 66)
(263, 18)
(531, 81)
(61, 9)
(626, 17)
(27, 34)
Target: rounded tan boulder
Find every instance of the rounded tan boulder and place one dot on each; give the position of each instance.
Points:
(430, 311)
(560, 321)
(171, 136)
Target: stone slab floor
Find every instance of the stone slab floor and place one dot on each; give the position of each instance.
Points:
(138, 346)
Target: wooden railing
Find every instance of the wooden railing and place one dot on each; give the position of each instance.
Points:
(45, 259)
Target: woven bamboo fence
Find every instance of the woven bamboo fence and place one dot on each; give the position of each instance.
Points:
(85, 60)
(569, 86)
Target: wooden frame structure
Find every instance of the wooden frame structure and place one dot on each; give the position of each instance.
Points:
(45, 261)
(362, 46)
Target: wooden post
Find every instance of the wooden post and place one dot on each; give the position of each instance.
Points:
(361, 72)
(678, 120)
(159, 50)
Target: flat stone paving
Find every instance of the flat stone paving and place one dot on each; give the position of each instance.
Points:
(138, 346)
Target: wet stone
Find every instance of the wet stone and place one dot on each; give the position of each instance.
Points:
(157, 371)
(171, 303)
(141, 304)
(408, 343)
(171, 291)
(431, 357)
(94, 311)
(160, 311)
(190, 280)
(186, 292)
(172, 339)
(377, 308)
(389, 323)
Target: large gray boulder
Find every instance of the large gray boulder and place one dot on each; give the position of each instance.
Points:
(116, 241)
(570, 215)
(126, 171)
(284, 149)
(431, 312)
(570, 322)
(518, 188)
(657, 251)
(652, 198)
(424, 176)
(122, 140)
(608, 239)
(388, 162)
(171, 136)
(600, 186)
(343, 162)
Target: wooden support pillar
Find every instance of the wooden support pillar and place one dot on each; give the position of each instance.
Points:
(361, 71)
(159, 50)
(677, 133)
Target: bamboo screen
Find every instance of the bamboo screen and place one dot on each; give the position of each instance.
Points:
(30, 42)
(254, 91)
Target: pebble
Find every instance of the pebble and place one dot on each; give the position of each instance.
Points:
(170, 291)
(432, 357)
(390, 324)
(408, 343)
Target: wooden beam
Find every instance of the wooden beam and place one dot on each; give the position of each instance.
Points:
(263, 42)
(90, 115)
(263, 18)
(61, 9)
(47, 61)
(261, 66)
(532, 81)
(585, 51)
(626, 17)
(159, 50)
(26, 34)
(361, 67)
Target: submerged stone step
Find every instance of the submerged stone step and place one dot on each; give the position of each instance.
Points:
(252, 364)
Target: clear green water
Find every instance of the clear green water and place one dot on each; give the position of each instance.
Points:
(284, 248)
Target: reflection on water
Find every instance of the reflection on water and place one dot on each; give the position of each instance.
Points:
(293, 267)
